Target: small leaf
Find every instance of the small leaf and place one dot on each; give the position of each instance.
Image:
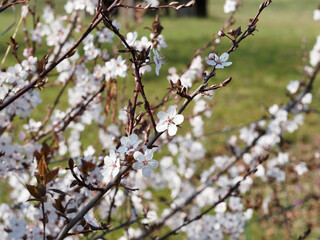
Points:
(58, 191)
(58, 205)
(43, 168)
(33, 190)
(51, 175)
(37, 155)
(45, 150)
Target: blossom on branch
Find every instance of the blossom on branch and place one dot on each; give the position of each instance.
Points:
(293, 86)
(145, 162)
(218, 62)
(111, 164)
(169, 120)
(129, 144)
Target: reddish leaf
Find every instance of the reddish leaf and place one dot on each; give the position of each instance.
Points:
(37, 155)
(33, 190)
(51, 175)
(42, 167)
(57, 205)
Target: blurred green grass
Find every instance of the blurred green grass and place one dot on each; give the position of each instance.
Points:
(262, 66)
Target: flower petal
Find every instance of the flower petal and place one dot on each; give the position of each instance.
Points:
(216, 58)
(158, 68)
(162, 126)
(138, 156)
(113, 153)
(226, 64)
(211, 62)
(162, 115)
(133, 137)
(178, 119)
(125, 140)
(148, 154)
(137, 144)
(224, 57)
(115, 171)
(122, 149)
(172, 129)
(107, 161)
(171, 111)
(137, 165)
(211, 56)
(153, 164)
(146, 171)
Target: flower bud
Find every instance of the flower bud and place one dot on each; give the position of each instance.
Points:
(221, 34)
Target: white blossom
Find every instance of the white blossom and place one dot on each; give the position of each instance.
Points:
(218, 62)
(145, 162)
(301, 168)
(169, 120)
(129, 144)
(111, 164)
(293, 86)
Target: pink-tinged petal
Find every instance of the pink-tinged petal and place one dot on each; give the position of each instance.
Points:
(146, 171)
(148, 154)
(178, 119)
(171, 111)
(224, 57)
(138, 156)
(162, 115)
(172, 129)
(226, 64)
(153, 164)
(137, 165)
(162, 126)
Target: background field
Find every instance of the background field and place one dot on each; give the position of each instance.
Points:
(262, 66)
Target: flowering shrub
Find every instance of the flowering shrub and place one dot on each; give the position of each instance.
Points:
(115, 183)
